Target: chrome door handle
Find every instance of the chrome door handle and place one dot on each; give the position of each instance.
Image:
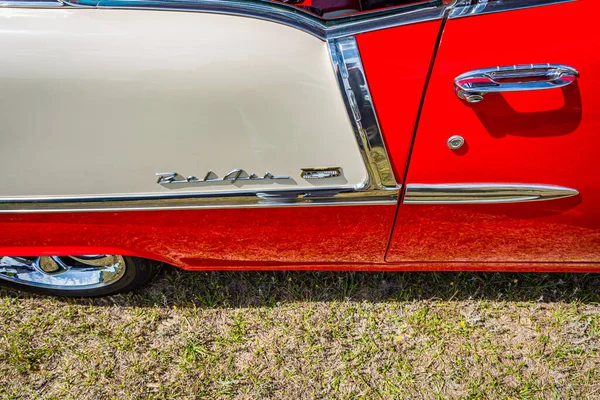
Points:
(473, 85)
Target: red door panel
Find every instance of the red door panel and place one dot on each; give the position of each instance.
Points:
(541, 137)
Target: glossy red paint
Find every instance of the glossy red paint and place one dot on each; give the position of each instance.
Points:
(253, 237)
(396, 69)
(321, 238)
(354, 237)
(543, 137)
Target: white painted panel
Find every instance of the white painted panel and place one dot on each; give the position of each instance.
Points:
(95, 102)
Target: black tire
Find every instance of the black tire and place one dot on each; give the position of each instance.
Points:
(138, 272)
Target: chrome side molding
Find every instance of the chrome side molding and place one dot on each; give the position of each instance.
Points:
(483, 193)
(194, 201)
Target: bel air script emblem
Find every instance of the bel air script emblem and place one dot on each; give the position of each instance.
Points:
(166, 178)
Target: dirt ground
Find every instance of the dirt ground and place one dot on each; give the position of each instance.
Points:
(305, 335)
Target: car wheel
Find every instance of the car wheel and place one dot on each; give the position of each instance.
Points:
(76, 276)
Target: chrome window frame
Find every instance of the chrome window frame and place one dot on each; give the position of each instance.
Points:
(290, 15)
(482, 193)
(270, 11)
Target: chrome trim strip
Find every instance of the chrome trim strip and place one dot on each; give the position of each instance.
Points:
(355, 90)
(487, 7)
(283, 198)
(483, 193)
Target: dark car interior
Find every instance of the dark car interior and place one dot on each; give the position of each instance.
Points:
(333, 9)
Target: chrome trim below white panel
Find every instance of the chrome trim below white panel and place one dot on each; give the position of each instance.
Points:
(483, 193)
(329, 197)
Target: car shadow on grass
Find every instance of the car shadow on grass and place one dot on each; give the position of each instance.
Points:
(227, 289)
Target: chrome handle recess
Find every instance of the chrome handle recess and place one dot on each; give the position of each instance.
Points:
(473, 85)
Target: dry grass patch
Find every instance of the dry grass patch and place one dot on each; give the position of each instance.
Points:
(309, 335)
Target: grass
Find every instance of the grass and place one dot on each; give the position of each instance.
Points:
(345, 335)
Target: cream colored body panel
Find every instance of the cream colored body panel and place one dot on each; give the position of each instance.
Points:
(95, 102)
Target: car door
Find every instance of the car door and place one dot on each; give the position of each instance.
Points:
(218, 135)
(510, 175)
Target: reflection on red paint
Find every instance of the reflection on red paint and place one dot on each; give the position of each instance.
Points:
(217, 238)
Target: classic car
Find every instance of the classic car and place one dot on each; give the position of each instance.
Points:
(375, 135)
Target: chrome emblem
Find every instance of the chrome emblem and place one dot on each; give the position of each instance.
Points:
(321, 173)
(166, 178)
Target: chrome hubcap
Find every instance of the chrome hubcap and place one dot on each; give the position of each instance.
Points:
(62, 272)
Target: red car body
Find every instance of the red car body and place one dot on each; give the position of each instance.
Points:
(540, 137)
